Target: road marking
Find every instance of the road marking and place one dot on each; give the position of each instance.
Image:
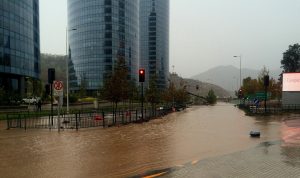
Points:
(180, 165)
(156, 175)
(195, 162)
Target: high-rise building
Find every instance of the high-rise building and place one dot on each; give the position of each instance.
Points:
(19, 43)
(154, 40)
(101, 32)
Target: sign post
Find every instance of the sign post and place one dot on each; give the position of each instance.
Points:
(58, 92)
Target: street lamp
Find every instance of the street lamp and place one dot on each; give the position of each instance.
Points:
(240, 56)
(67, 64)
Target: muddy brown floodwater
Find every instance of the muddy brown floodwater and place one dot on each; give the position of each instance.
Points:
(194, 134)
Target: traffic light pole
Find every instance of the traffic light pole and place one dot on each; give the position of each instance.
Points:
(266, 96)
(266, 84)
(51, 93)
(142, 100)
(142, 80)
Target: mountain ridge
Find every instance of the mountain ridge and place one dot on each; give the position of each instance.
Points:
(228, 77)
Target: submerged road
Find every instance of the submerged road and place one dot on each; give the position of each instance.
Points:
(198, 133)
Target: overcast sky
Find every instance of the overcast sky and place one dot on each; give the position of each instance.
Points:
(206, 33)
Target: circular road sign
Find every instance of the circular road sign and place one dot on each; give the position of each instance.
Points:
(58, 85)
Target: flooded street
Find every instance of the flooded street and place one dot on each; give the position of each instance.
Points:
(197, 133)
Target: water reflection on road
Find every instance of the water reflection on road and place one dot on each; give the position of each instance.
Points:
(194, 134)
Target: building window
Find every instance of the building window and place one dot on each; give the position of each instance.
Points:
(107, 2)
(108, 43)
(7, 60)
(108, 51)
(108, 10)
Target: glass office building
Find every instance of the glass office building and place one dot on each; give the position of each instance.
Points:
(19, 43)
(154, 40)
(100, 33)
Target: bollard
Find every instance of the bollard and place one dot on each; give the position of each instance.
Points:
(49, 122)
(7, 119)
(103, 119)
(136, 115)
(19, 121)
(76, 122)
(25, 124)
(123, 117)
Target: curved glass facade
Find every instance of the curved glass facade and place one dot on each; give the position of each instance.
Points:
(154, 40)
(19, 42)
(101, 31)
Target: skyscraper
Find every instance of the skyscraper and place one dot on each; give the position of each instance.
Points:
(105, 31)
(154, 40)
(19, 43)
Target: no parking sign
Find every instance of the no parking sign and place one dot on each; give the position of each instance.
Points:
(58, 88)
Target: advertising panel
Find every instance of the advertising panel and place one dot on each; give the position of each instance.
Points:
(291, 82)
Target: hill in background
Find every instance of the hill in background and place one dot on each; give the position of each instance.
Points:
(59, 63)
(228, 77)
(203, 88)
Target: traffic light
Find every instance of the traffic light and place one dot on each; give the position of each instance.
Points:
(142, 75)
(241, 94)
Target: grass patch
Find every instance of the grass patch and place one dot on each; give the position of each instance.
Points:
(87, 100)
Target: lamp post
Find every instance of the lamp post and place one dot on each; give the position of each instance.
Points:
(240, 56)
(67, 64)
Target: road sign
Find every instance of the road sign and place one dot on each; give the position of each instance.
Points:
(262, 95)
(58, 86)
(259, 96)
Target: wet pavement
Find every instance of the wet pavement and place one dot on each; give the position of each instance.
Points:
(268, 159)
(191, 141)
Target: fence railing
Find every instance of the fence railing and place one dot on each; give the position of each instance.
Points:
(271, 109)
(82, 119)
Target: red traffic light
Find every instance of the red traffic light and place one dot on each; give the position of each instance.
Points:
(141, 75)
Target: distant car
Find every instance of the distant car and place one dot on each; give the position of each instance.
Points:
(30, 100)
(160, 108)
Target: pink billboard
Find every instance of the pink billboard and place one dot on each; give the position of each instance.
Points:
(291, 82)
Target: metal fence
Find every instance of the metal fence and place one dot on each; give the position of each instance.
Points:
(271, 109)
(82, 119)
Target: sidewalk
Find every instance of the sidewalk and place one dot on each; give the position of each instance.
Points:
(270, 159)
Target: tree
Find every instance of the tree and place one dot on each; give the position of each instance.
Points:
(116, 87)
(181, 96)
(168, 94)
(34, 87)
(152, 93)
(291, 59)
(211, 97)
(252, 86)
(133, 92)
(82, 87)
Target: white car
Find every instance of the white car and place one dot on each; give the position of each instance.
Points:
(31, 100)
